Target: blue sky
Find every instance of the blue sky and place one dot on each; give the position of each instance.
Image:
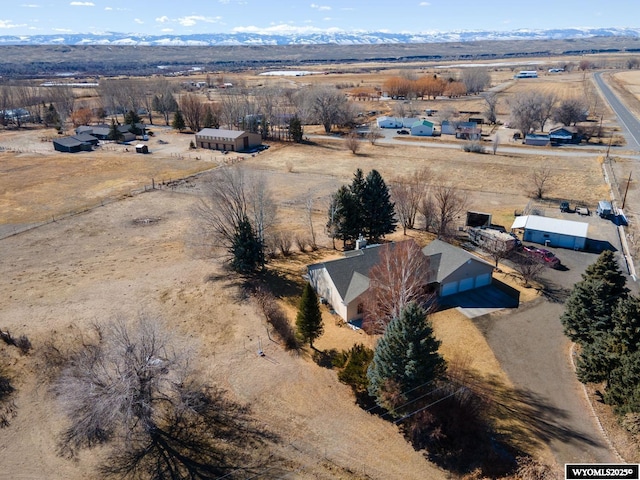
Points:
(157, 17)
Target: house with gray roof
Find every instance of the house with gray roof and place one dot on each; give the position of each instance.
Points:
(343, 282)
(456, 269)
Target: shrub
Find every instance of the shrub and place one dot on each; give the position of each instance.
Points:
(354, 373)
(473, 147)
(276, 317)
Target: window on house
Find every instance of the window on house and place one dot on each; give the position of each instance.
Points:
(360, 309)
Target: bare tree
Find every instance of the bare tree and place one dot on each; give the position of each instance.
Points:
(231, 198)
(571, 111)
(407, 193)
(540, 177)
(164, 101)
(309, 211)
(547, 106)
(131, 388)
(491, 107)
(475, 79)
(525, 112)
(330, 107)
(374, 134)
(193, 111)
(450, 203)
(352, 142)
(528, 268)
(399, 278)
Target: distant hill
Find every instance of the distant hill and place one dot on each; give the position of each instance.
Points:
(119, 54)
(336, 38)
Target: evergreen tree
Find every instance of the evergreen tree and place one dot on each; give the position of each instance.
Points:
(309, 317)
(51, 117)
(343, 216)
(623, 391)
(131, 118)
(606, 268)
(626, 324)
(405, 360)
(246, 249)
(590, 305)
(354, 372)
(295, 129)
(210, 120)
(378, 214)
(114, 133)
(178, 121)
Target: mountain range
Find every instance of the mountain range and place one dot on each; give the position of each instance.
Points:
(336, 38)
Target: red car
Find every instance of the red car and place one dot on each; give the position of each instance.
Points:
(542, 255)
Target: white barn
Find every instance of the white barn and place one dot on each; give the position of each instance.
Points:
(552, 232)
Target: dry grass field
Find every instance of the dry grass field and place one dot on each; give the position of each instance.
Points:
(62, 276)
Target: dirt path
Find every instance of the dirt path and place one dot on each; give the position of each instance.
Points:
(533, 351)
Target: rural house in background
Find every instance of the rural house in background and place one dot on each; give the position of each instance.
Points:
(564, 135)
(342, 283)
(227, 140)
(422, 128)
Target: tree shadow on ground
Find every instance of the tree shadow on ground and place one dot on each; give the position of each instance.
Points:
(485, 425)
(528, 418)
(554, 292)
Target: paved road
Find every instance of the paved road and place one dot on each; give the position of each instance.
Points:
(627, 120)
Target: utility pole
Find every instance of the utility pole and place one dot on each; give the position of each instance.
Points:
(625, 191)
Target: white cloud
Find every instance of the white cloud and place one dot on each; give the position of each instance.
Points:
(320, 7)
(163, 19)
(424, 4)
(138, 21)
(108, 9)
(62, 30)
(167, 30)
(191, 20)
(82, 4)
(30, 5)
(327, 19)
(9, 24)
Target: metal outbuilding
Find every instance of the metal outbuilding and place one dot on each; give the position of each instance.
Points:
(552, 232)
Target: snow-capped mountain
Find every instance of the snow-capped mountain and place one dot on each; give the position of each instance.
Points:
(340, 38)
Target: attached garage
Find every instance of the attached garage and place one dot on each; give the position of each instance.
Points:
(457, 270)
(448, 289)
(552, 232)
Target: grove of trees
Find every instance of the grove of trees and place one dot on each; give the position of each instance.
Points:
(603, 319)
(362, 208)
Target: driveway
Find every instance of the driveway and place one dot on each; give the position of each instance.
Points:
(534, 353)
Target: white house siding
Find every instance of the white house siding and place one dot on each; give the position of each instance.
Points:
(323, 285)
(421, 129)
(389, 122)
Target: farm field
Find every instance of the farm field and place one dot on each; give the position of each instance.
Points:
(65, 274)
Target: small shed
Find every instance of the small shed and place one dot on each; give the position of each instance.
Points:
(389, 122)
(552, 232)
(422, 128)
(537, 139)
(142, 148)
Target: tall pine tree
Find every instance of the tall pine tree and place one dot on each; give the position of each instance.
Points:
(590, 305)
(309, 317)
(178, 121)
(405, 360)
(378, 214)
(247, 252)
